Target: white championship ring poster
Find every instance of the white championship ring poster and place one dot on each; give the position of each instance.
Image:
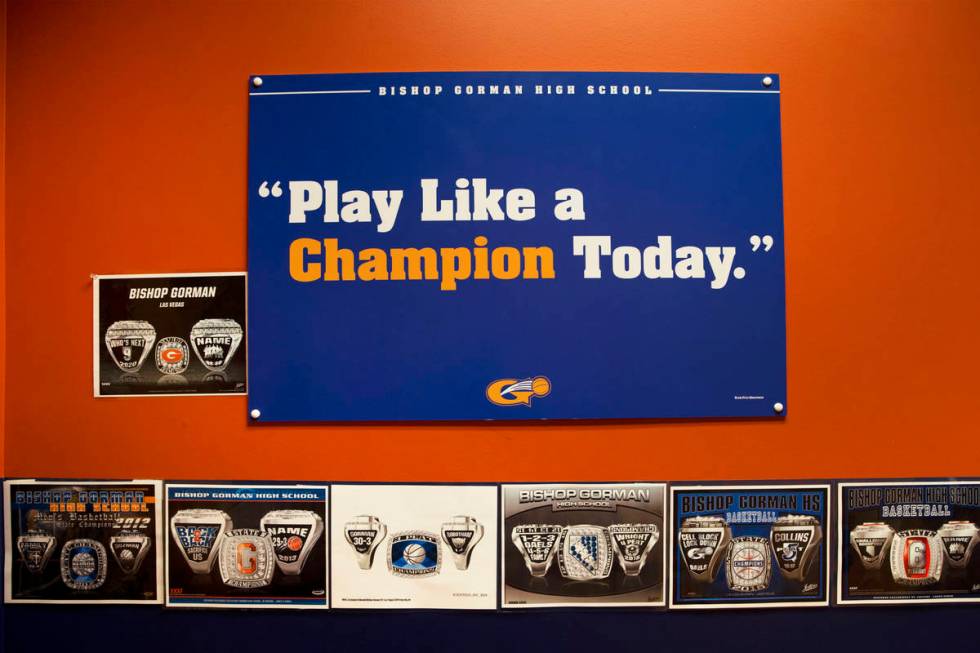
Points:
(247, 546)
(908, 542)
(82, 542)
(583, 545)
(749, 546)
(414, 546)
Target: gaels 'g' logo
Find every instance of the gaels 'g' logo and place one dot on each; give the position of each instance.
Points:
(513, 392)
(171, 355)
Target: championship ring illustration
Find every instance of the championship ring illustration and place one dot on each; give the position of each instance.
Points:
(246, 558)
(35, 550)
(129, 343)
(538, 543)
(795, 541)
(585, 553)
(129, 549)
(958, 538)
(172, 356)
(632, 543)
(294, 533)
(197, 533)
(703, 542)
(749, 566)
(461, 534)
(364, 533)
(916, 557)
(414, 554)
(215, 342)
(83, 564)
(871, 541)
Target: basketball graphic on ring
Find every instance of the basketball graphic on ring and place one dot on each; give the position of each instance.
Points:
(414, 554)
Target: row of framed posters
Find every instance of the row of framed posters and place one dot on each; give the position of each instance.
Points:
(484, 546)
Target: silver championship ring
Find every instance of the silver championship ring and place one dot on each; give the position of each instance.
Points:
(247, 558)
(129, 549)
(703, 542)
(917, 557)
(632, 543)
(364, 533)
(795, 540)
(461, 534)
(958, 538)
(414, 554)
(83, 564)
(215, 342)
(871, 542)
(35, 549)
(129, 343)
(749, 565)
(538, 543)
(585, 553)
(198, 533)
(294, 533)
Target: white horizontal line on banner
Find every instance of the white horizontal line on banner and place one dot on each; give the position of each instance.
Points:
(705, 90)
(313, 92)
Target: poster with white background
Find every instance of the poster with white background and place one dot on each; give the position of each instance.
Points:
(414, 546)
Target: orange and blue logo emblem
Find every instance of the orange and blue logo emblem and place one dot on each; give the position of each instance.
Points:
(515, 392)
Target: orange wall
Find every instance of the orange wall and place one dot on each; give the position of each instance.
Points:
(127, 125)
(3, 224)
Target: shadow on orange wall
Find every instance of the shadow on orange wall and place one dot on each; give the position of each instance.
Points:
(127, 125)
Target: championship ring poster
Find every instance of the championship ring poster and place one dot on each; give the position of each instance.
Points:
(83, 542)
(169, 334)
(748, 546)
(247, 546)
(908, 542)
(414, 546)
(599, 545)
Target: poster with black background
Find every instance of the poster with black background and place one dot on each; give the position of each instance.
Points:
(744, 546)
(583, 545)
(908, 542)
(169, 334)
(247, 546)
(83, 542)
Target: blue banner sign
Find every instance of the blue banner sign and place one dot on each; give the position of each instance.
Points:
(451, 246)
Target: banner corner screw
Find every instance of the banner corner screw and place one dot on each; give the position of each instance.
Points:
(257, 81)
(778, 407)
(766, 81)
(255, 414)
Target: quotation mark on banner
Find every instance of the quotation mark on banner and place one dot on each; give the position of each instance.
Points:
(755, 241)
(276, 191)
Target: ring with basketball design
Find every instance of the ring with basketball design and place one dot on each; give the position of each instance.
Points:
(749, 565)
(294, 533)
(414, 554)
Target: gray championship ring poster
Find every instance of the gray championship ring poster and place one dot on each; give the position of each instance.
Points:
(908, 542)
(83, 542)
(744, 546)
(414, 546)
(588, 545)
(169, 334)
(247, 546)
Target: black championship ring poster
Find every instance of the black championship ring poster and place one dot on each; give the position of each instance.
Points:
(247, 546)
(597, 545)
(83, 542)
(749, 546)
(169, 334)
(908, 542)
